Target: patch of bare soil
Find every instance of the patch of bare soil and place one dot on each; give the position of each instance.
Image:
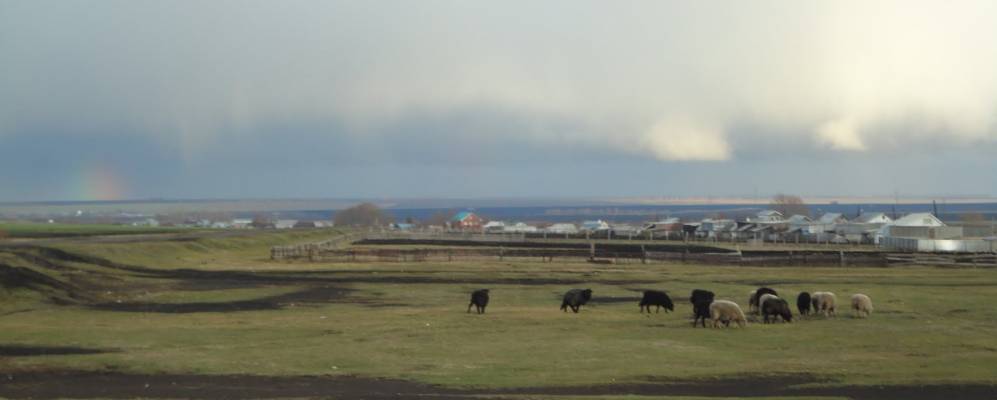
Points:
(80, 384)
(15, 350)
(768, 386)
(85, 384)
(315, 295)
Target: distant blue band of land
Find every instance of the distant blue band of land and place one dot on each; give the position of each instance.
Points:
(551, 212)
(691, 212)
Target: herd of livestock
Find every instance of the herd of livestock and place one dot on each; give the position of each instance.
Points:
(764, 301)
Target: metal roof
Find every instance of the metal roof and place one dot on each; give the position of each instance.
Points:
(461, 216)
(919, 219)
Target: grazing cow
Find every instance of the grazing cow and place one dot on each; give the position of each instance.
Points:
(823, 302)
(575, 298)
(701, 300)
(776, 307)
(803, 303)
(861, 305)
(657, 299)
(726, 311)
(753, 302)
(479, 299)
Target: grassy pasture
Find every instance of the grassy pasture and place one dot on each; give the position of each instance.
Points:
(40, 230)
(408, 320)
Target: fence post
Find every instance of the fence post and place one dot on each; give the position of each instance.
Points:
(643, 255)
(592, 250)
(841, 257)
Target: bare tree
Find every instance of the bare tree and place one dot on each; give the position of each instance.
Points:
(439, 218)
(262, 221)
(364, 214)
(789, 205)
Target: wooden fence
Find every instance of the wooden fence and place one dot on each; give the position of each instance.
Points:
(487, 248)
(601, 255)
(311, 251)
(980, 260)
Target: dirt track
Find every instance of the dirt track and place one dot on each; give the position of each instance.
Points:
(78, 384)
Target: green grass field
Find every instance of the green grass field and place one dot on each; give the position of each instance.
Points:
(232, 311)
(40, 230)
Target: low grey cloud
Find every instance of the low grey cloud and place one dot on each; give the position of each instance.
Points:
(292, 90)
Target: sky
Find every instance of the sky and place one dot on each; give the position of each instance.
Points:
(130, 99)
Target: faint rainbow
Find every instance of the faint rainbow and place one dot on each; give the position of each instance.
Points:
(98, 181)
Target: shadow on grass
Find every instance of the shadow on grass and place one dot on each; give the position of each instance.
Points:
(59, 384)
(17, 350)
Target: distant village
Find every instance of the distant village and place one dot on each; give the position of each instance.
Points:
(911, 232)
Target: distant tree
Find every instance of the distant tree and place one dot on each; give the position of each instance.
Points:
(439, 218)
(409, 220)
(262, 221)
(972, 217)
(789, 205)
(364, 214)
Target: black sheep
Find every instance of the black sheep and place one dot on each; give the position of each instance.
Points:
(575, 298)
(776, 307)
(700, 294)
(701, 300)
(657, 299)
(803, 303)
(753, 302)
(479, 299)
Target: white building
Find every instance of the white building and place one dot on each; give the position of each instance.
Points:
(768, 216)
(519, 227)
(593, 226)
(494, 226)
(562, 228)
(285, 223)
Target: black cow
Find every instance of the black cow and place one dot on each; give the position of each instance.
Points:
(753, 301)
(701, 300)
(575, 298)
(479, 299)
(776, 307)
(803, 303)
(657, 299)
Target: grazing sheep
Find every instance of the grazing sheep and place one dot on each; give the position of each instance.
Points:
(700, 295)
(701, 300)
(861, 304)
(657, 299)
(479, 299)
(823, 302)
(575, 298)
(775, 307)
(726, 311)
(803, 303)
(755, 298)
(763, 297)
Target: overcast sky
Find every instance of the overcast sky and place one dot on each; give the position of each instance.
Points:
(210, 99)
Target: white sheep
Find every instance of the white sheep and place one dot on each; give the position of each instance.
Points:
(861, 305)
(726, 311)
(824, 302)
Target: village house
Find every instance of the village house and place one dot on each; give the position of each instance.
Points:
(595, 226)
(562, 228)
(866, 228)
(466, 221)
